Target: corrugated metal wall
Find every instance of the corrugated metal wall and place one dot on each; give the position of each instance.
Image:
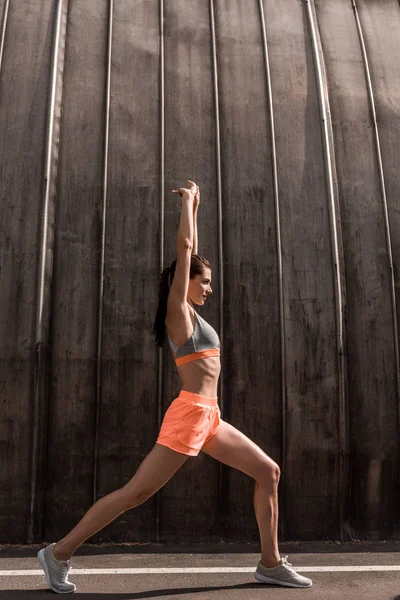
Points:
(287, 116)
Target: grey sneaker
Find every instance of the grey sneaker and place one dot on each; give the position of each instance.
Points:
(56, 571)
(282, 574)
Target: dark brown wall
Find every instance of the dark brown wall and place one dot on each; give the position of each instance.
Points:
(299, 217)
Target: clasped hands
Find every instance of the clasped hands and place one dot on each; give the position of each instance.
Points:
(193, 192)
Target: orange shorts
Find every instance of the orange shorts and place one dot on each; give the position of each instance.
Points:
(190, 421)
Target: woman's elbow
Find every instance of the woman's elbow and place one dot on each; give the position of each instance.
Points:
(185, 244)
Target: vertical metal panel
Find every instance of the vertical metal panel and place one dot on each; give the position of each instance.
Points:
(219, 187)
(4, 22)
(383, 193)
(376, 27)
(313, 461)
(128, 416)
(251, 364)
(46, 251)
(44, 265)
(161, 233)
(282, 337)
(103, 244)
(221, 470)
(75, 295)
(24, 85)
(190, 115)
(337, 258)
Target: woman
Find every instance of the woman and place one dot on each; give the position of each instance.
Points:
(191, 423)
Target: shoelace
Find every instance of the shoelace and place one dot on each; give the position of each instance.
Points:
(64, 573)
(287, 564)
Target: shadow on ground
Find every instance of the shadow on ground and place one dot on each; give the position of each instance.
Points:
(178, 592)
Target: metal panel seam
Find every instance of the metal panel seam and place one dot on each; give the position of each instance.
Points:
(219, 182)
(338, 268)
(45, 261)
(3, 30)
(103, 241)
(384, 199)
(279, 251)
(219, 209)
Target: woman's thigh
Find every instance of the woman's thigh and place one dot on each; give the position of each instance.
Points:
(155, 470)
(231, 447)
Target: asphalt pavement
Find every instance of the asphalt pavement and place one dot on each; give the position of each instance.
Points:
(338, 571)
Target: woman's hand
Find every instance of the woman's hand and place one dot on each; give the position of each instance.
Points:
(188, 193)
(196, 195)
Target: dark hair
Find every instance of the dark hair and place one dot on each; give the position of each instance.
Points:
(197, 265)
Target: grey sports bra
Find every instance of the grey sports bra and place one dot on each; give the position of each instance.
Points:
(203, 342)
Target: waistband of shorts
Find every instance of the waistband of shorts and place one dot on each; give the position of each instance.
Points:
(191, 398)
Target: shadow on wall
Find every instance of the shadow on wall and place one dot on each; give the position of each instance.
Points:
(221, 549)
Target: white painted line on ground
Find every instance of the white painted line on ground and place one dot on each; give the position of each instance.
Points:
(172, 570)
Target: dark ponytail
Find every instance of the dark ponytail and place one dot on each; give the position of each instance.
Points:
(166, 278)
(197, 265)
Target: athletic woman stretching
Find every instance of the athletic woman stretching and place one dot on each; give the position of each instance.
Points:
(191, 423)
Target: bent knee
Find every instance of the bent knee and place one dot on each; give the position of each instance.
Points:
(269, 475)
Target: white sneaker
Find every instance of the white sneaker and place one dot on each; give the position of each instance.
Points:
(282, 574)
(56, 571)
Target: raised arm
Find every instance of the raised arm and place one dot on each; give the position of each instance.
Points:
(178, 321)
(184, 248)
(195, 209)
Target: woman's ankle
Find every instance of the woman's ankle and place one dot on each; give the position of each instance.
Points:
(270, 561)
(60, 554)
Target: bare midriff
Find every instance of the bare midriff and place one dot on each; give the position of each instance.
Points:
(201, 376)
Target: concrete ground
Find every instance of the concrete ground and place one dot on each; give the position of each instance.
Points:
(338, 571)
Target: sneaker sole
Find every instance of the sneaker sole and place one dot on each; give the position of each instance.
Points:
(43, 564)
(262, 579)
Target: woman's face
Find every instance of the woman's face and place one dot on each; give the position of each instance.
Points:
(200, 287)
